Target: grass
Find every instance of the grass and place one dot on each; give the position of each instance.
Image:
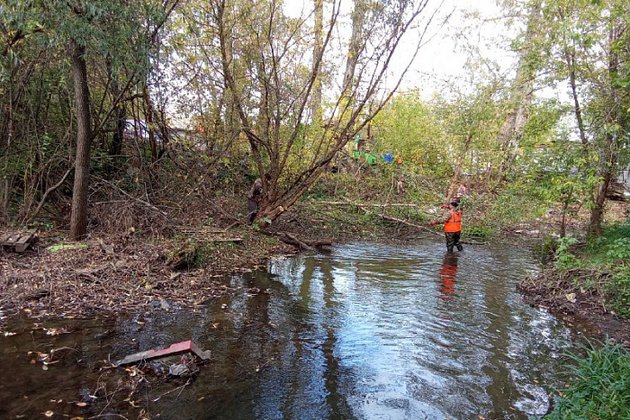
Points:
(600, 386)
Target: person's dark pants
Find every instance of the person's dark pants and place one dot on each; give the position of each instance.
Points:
(452, 240)
(252, 210)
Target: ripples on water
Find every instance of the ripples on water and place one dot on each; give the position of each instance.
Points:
(369, 331)
(415, 332)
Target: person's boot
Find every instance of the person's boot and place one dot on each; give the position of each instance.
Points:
(460, 247)
(449, 248)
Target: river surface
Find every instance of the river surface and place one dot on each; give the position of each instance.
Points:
(367, 331)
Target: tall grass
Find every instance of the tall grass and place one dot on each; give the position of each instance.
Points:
(600, 386)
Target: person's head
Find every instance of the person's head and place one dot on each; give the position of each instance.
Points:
(454, 204)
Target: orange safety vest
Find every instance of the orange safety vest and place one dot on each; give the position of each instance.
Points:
(454, 223)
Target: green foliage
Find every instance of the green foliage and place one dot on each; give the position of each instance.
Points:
(514, 205)
(600, 388)
(611, 247)
(546, 249)
(619, 250)
(618, 291)
(408, 127)
(565, 259)
(478, 231)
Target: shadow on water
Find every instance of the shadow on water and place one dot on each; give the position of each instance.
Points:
(369, 331)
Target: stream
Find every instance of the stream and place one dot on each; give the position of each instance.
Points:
(368, 331)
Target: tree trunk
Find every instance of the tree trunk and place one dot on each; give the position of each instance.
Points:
(120, 115)
(521, 97)
(610, 149)
(354, 48)
(149, 116)
(78, 218)
(4, 200)
(6, 135)
(316, 99)
(597, 212)
(458, 170)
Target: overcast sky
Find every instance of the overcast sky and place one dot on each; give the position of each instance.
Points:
(441, 56)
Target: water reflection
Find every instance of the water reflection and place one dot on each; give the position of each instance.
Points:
(369, 331)
(448, 275)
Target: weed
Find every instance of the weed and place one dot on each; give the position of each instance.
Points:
(600, 388)
(565, 259)
(619, 250)
(480, 232)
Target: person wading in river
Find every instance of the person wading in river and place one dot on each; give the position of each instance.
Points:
(452, 219)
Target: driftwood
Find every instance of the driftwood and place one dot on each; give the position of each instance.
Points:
(174, 349)
(289, 238)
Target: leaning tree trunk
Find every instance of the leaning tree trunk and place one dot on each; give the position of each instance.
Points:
(78, 218)
(521, 96)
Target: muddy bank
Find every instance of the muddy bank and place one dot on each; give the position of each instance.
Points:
(556, 292)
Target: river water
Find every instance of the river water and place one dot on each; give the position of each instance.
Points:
(367, 331)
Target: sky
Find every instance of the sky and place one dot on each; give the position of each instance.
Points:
(441, 57)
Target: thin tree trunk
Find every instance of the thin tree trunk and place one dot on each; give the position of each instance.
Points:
(148, 115)
(78, 218)
(577, 109)
(120, 115)
(521, 97)
(458, 170)
(316, 99)
(609, 154)
(354, 50)
(597, 212)
(5, 144)
(4, 200)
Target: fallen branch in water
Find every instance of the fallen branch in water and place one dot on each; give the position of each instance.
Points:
(289, 238)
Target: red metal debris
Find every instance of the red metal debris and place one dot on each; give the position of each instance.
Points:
(173, 349)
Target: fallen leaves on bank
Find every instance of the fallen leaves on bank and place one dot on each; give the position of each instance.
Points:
(118, 274)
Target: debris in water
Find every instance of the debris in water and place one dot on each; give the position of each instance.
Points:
(177, 348)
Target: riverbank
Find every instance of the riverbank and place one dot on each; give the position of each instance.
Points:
(138, 270)
(588, 283)
(560, 293)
